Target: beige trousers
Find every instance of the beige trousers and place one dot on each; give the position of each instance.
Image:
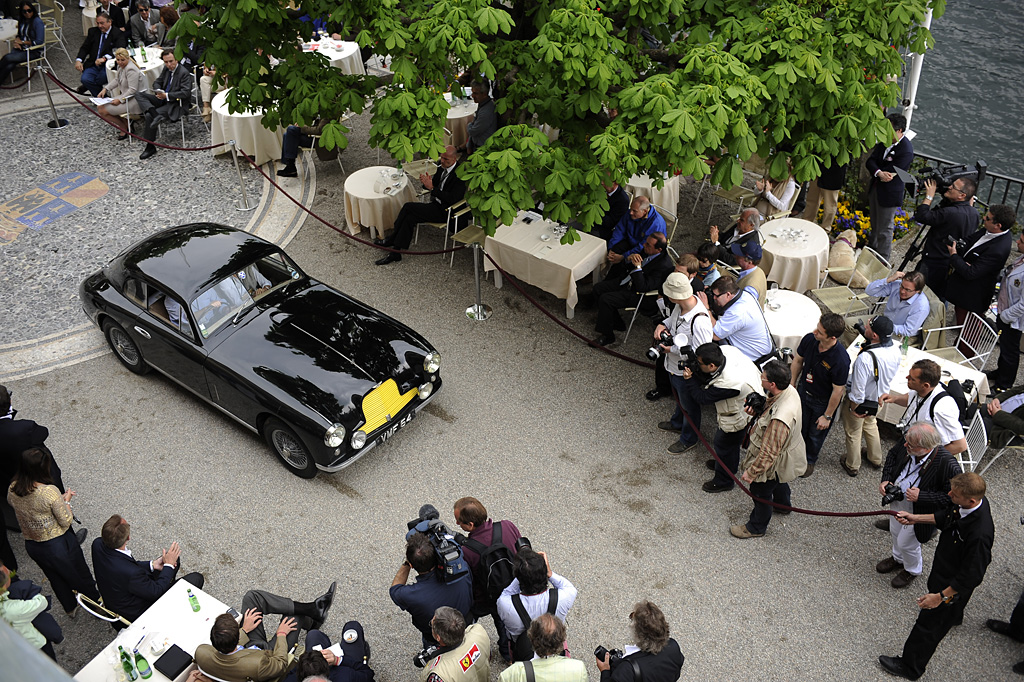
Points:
(855, 428)
(816, 195)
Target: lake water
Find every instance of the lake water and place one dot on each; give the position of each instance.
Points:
(971, 97)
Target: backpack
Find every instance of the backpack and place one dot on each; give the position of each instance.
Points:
(955, 391)
(522, 647)
(495, 567)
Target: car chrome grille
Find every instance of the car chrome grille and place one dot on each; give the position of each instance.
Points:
(383, 404)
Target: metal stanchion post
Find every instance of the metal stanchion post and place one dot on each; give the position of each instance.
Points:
(478, 311)
(244, 204)
(56, 122)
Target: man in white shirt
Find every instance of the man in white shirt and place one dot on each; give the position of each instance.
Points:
(530, 588)
(870, 378)
(738, 319)
(905, 303)
(927, 401)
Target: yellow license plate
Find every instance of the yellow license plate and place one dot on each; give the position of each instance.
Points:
(382, 404)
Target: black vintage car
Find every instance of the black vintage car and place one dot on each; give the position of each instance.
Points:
(227, 315)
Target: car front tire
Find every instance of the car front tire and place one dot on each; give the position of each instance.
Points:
(125, 349)
(289, 448)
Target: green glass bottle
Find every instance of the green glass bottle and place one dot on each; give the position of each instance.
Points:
(193, 602)
(143, 52)
(126, 663)
(142, 665)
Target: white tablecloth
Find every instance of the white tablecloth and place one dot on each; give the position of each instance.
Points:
(520, 251)
(8, 31)
(891, 412)
(459, 116)
(246, 129)
(795, 263)
(366, 205)
(667, 197)
(796, 316)
(342, 54)
(169, 618)
(152, 67)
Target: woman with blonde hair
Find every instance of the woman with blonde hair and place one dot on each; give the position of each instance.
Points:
(129, 81)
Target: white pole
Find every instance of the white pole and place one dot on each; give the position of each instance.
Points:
(914, 76)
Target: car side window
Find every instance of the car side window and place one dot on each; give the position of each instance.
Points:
(135, 291)
(169, 311)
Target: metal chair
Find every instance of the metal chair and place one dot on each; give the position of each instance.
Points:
(636, 311)
(842, 299)
(98, 610)
(671, 221)
(1016, 444)
(936, 318)
(977, 444)
(738, 195)
(471, 234)
(53, 21)
(976, 341)
(456, 210)
(36, 56)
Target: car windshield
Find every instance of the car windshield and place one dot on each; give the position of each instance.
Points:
(221, 302)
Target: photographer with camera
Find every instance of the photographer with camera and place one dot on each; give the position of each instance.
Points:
(885, 194)
(1009, 321)
(738, 319)
(686, 327)
(528, 596)
(462, 654)
(656, 656)
(430, 591)
(489, 551)
(951, 221)
(547, 635)
(915, 479)
(776, 455)
(924, 402)
(905, 303)
(873, 372)
(724, 376)
(975, 268)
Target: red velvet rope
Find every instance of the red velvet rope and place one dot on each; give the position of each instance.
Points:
(17, 85)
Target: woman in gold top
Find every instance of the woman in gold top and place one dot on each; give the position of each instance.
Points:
(45, 519)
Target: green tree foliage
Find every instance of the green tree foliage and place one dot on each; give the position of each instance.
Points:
(727, 79)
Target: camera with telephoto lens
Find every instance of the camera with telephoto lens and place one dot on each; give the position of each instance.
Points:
(859, 326)
(664, 339)
(960, 244)
(945, 175)
(614, 655)
(521, 542)
(756, 402)
(449, 554)
(420, 660)
(893, 493)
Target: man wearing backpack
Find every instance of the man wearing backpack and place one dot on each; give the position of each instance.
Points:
(488, 551)
(528, 596)
(929, 401)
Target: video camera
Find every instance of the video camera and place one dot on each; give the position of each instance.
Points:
(945, 175)
(449, 554)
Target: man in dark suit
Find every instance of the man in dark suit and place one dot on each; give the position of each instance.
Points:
(952, 217)
(973, 275)
(171, 97)
(963, 555)
(658, 658)
(649, 269)
(618, 206)
(446, 188)
(885, 194)
(743, 230)
(116, 15)
(128, 586)
(99, 46)
(1004, 419)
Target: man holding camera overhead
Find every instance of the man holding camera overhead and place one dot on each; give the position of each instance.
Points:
(953, 219)
(915, 479)
(872, 374)
(430, 591)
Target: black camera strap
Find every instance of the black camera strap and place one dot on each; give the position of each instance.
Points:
(530, 676)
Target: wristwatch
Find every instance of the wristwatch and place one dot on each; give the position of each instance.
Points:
(828, 417)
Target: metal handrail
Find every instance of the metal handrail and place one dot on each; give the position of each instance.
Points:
(992, 181)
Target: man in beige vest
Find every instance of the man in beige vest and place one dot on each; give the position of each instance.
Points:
(776, 455)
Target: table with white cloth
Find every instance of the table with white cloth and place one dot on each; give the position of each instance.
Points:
(152, 67)
(168, 621)
(790, 316)
(373, 202)
(795, 253)
(246, 129)
(459, 116)
(8, 32)
(531, 252)
(667, 197)
(342, 54)
(891, 412)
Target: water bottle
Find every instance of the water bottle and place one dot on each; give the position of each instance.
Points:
(904, 346)
(126, 664)
(142, 51)
(193, 602)
(143, 666)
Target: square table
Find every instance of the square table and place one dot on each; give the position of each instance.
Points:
(170, 617)
(520, 249)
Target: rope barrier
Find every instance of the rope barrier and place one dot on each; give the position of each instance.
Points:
(92, 111)
(17, 85)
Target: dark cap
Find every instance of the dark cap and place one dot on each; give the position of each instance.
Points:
(749, 248)
(882, 326)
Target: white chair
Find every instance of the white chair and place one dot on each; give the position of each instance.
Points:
(53, 20)
(977, 443)
(670, 221)
(843, 299)
(636, 311)
(98, 610)
(455, 211)
(1016, 444)
(36, 56)
(976, 342)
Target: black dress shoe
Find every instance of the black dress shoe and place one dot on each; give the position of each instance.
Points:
(82, 90)
(80, 535)
(1003, 628)
(323, 605)
(1018, 668)
(289, 171)
(149, 151)
(380, 242)
(122, 137)
(894, 666)
(712, 487)
(390, 258)
(603, 340)
(655, 394)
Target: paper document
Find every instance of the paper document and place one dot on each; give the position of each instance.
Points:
(101, 100)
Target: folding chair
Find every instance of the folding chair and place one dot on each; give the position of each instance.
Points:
(471, 234)
(977, 444)
(456, 210)
(671, 221)
(936, 318)
(976, 342)
(738, 194)
(98, 610)
(842, 299)
(53, 21)
(636, 311)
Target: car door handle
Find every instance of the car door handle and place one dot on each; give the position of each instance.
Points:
(142, 332)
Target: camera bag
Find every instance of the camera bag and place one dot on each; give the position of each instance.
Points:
(495, 566)
(522, 647)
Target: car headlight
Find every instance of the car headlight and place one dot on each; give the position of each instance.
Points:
(335, 436)
(425, 390)
(358, 440)
(432, 362)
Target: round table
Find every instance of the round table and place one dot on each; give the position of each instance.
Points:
(366, 203)
(795, 253)
(246, 129)
(794, 316)
(667, 197)
(152, 67)
(459, 116)
(342, 54)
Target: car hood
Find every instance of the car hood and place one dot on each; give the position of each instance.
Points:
(325, 349)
